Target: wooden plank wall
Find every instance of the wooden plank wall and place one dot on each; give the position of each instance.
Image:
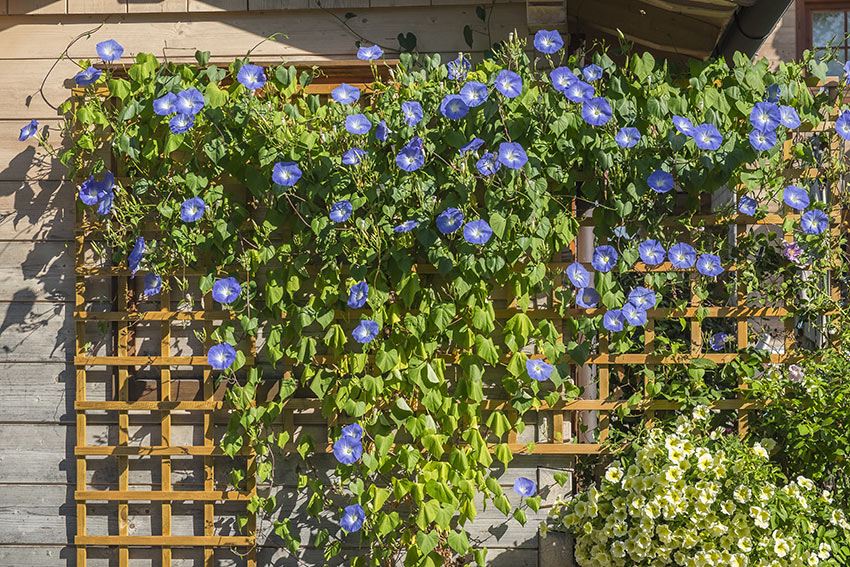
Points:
(37, 431)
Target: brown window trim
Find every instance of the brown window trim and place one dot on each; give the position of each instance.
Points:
(804, 9)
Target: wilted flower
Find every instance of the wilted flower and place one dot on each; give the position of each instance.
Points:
(472, 145)
(221, 356)
(406, 226)
(587, 298)
(353, 156)
(525, 487)
(192, 209)
(135, 257)
(718, 341)
(366, 331)
(381, 131)
(538, 369)
(596, 111)
(579, 276)
(474, 93)
(286, 173)
(660, 181)
(109, 50)
(477, 232)
(546, 41)
(604, 258)
(488, 164)
(340, 211)
(358, 294)
(512, 155)
(153, 285)
(369, 53)
(412, 111)
(345, 94)
(226, 290)
(814, 221)
(792, 251)
(450, 220)
(709, 265)
(795, 373)
(509, 83)
(771, 93)
(458, 68)
(28, 131)
(352, 518)
(251, 76)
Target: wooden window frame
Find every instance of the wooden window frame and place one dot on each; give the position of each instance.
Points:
(805, 9)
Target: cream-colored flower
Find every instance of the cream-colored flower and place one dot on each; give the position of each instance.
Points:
(618, 549)
(614, 474)
(805, 483)
(738, 560)
(824, 551)
(781, 547)
(760, 516)
(759, 450)
(727, 507)
(745, 544)
(768, 444)
(701, 413)
(742, 494)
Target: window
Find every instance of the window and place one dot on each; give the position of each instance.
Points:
(822, 26)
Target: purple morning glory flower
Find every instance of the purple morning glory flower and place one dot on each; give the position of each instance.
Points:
(660, 181)
(682, 256)
(251, 76)
(683, 125)
(353, 156)
(477, 232)
(718, 341)
(89, 191)
(474, 93)
(411, 157)
(642, 298)
(796, 197)
(592, 73)
(788, 117)
(226, 290)
(458, 68)
(762, 140)
(651, 252)
(135, 257)
(512, 155)
(153, 285)
(847, 73)
(181, 123)
(596, 111)
(707, 137)
(587, 298)
(98, 193)
(525, 487)
(366, 331)
(792, 251)
(190, 101)
(412, 111)
(358, 294)
(87, 76)
(814, 221)
(165, 105)
(347, 450)
(747, 205)
(709, 265)
(604, 258)
(450, 220)
(453, 107)
(488, 164)
(352, 518)
(221, 356)
(538, 369)
(340, 211)
(369, 53)
(579, 91)
(473, 145)
(771, 93)
(549, 42)
(406, 226)
(634, 315)
(765, 116)
(381, 131)
(286, 173)
(842, 125)
(509, 83)
(109, 50)
(613, 320)
(357, 124)
(579, 276)
(627, 137)
(192, 209)
(345, 94)
(28, 131)
(353, 431)
(561, 78)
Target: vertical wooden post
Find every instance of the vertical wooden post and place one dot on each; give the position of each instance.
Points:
(209, 438)
(123, 422)
(80, 370)
(165, 420)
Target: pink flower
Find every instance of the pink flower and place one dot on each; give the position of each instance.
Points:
(795, 373)
(792, 251)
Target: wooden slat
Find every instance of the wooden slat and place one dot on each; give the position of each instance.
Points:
(165, 496)
(188, 541)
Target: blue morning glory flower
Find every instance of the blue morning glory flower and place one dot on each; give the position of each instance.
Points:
(538, 369)
(587, 298)
(181, 123)
(190, 101)
(357, 124)
(87, 76)
(474, 93)
(473, 145)
(613, 320)
(226, 290)
(412, 111)
(651, 252)
(347, 450)
(604, 258)
(251, 76)
(842, 125)
(771, 93)
(153, 285)
(411, 157)
(709, 265)
(765, 116)
(340, 211)
(488, 164)
(381, 131)
(352, 518)
(707, 137)
(286, 173)
(109, 50)
(814, 221)
(369, 53)
(358, 294)
(28, 131)
(353, 156)
(453, 107)
(592, 73)
(345, 94)
(477, 232)
(642, 297)
(634, 315)
(135, 257)
(579, 91)
(660, 181)
(192, 209)
(549, 42)
(165, 105)
(796, 197)
(509, 83)
(512, 155)
(682, 256)
(789, 117)
(627, 137)
(98, 193)
(596, 111)
(762, 140)
(718, 341)
(684, 126)
(353, 431)
(89, 190)
(578, 274)
(366, 331)
(525, 487)
(562, 78)
(221, 356)
(747, 205)
(450, 220)
(458, 68)
(406, 226)
(847, 73)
